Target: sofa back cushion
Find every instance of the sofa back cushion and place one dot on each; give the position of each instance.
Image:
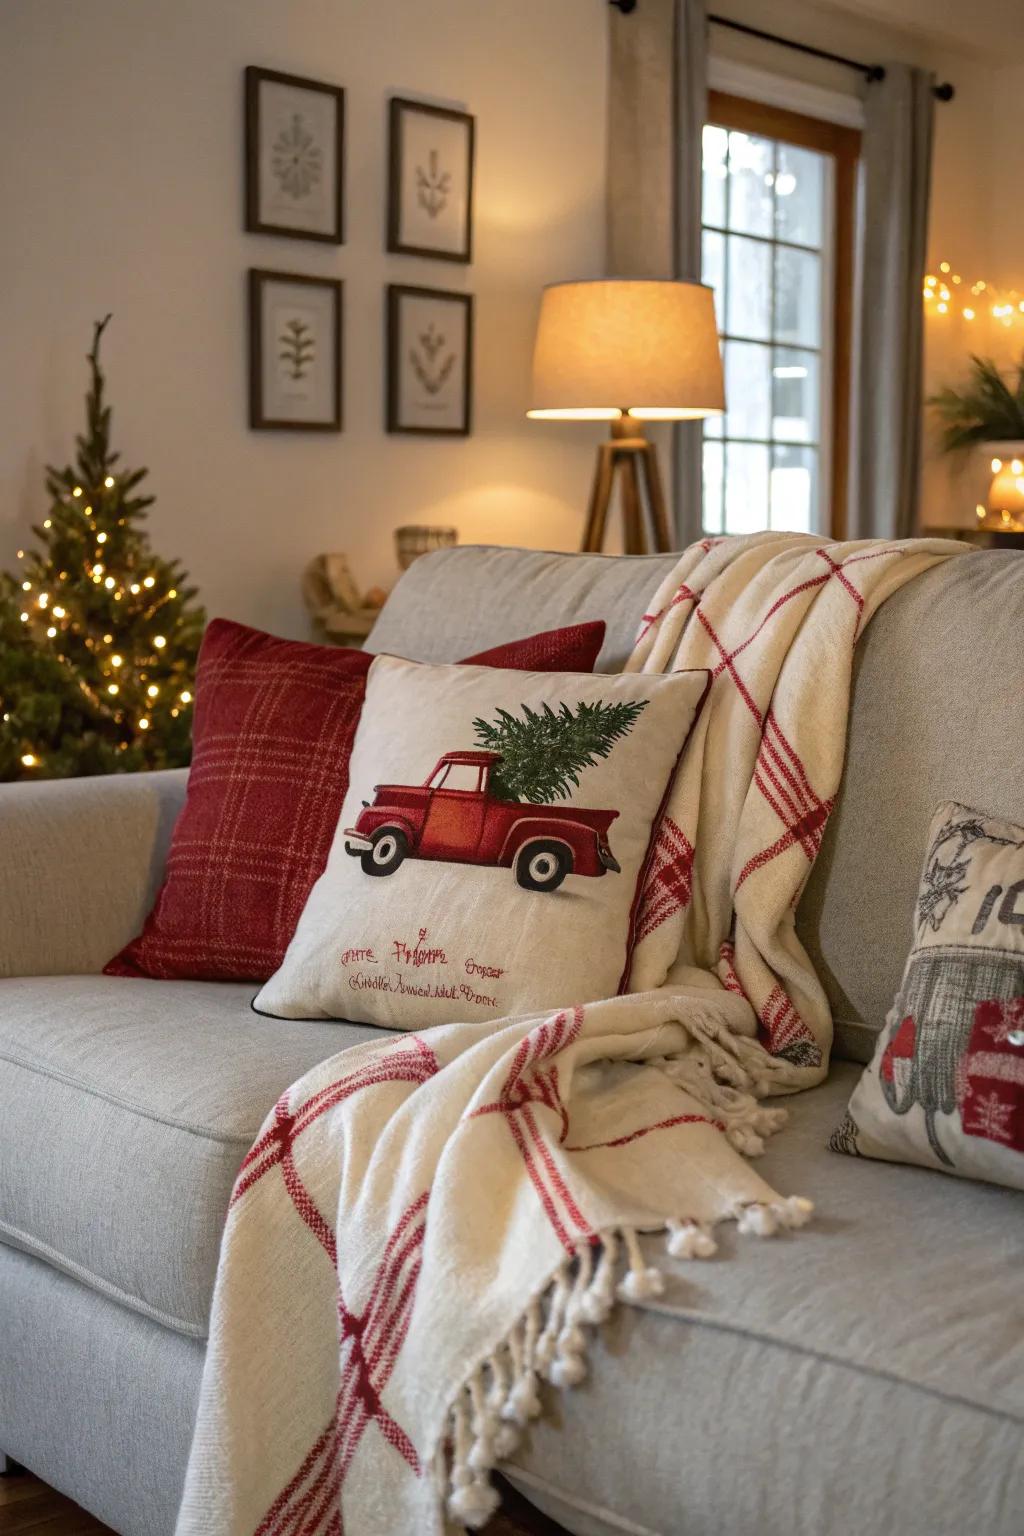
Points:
(937, 714)
(478, 590)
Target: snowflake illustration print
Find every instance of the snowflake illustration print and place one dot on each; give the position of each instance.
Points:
(294, 156)
(296, 159)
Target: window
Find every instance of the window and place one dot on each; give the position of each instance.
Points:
(777, 220)
(462, 776)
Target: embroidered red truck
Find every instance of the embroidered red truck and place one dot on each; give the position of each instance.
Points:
(541, 844)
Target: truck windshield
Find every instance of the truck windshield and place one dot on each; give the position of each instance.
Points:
(465, 776)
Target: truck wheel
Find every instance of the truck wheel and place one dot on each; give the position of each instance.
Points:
(389, 849)
(541, 866)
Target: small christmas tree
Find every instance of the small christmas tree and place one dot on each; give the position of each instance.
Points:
(98, 636)
(543, 754)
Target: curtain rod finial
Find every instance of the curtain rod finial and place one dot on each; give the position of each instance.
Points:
(625, 6)
(945, 91)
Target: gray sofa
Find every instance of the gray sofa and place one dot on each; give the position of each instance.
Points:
(865, 1376)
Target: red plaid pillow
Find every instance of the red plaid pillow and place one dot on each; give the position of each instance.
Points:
(272, 735)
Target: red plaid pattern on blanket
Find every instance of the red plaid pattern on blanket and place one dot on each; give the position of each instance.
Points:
(274, 725)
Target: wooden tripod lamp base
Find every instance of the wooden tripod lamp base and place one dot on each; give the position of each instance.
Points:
(631, 459)
(625, 350)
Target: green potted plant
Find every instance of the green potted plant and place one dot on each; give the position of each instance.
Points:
(987, 410)
(987, 413)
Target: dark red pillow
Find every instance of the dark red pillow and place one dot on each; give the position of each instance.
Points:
(272, 735)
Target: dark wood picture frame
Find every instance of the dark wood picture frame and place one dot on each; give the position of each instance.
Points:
(396, 292)
(258, 421)
(397, 107)
(255, 77)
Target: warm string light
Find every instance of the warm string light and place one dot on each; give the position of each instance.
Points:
(947, 293)
(62, 625)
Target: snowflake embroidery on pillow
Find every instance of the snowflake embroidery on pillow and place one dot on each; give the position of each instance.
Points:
(1002, 1023)
(990, 1117)
(993, 1100)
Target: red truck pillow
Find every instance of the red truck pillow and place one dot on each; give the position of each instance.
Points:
(273, 730)
(492, 846)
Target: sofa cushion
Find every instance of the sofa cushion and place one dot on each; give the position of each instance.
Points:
(945, 1087)
(126, 1107)
(863, 1375)
(499, 593)
(937, 713)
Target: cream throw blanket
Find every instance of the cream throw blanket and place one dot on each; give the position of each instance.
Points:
(428, 1226)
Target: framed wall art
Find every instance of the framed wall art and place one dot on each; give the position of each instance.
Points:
(295, 352)
(430, 184)
(429, 361)
(294, 156)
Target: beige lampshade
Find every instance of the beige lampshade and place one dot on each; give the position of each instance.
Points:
(648, 348)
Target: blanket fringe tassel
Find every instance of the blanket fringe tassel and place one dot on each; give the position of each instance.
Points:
(502, 1395)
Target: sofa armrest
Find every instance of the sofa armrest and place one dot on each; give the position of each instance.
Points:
(80, 864)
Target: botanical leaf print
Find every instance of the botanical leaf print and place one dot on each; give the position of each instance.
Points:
(298, 348)
(433, 185)
(429, 367)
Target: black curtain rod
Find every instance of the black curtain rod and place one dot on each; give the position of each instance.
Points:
(871, 72)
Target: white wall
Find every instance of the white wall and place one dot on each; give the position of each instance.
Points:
(121, 189)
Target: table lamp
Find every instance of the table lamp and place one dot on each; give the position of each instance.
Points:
(627, 351)
(1005, 499)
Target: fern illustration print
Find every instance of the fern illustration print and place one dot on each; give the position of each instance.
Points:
(430, 368)
(543, 752)
(298, 348)
(433, 185)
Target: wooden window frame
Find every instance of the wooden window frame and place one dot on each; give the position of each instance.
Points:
(844, 146)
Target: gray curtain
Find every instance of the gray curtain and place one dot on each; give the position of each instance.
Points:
(888, 363)
(657, 103)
